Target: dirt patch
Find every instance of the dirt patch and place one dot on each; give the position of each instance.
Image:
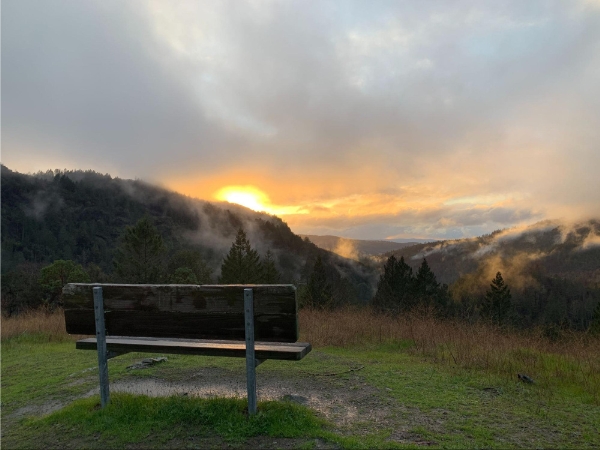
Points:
(352, 405)
(37, 410)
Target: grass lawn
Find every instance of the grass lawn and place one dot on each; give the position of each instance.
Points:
(359, 396)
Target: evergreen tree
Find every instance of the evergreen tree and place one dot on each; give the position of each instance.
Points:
(270, 273)
(319, 291)
(139, 258)
(242, 264)
(497, 300)
(395, 289)
(54, 277)
(428, 291)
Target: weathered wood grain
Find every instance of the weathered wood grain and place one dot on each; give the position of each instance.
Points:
(185, 311)
(263, 350)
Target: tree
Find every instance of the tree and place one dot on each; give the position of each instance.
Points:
(395, 287)
(54, 277)
(427, 289)
(270, 274)
(191, 260)
(139, 258)
(319, 290)
(595, 323)
(184, 275)
(497, 302)
(242, 264)
(21, 288)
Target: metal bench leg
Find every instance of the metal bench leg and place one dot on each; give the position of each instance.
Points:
(101, 345)
(251, 362)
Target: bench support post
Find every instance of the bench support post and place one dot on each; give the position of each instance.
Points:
(101, 345)
(251, 362)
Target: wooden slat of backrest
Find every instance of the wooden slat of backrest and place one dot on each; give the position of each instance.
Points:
(186, 311)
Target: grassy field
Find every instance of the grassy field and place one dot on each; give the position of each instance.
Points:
(370, 382)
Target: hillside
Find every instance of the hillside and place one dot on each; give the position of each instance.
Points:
(80, 215)
(355, 248)
(569, 251)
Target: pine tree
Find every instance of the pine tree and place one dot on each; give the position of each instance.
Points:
(242, 264)
(139, 258)
(270, 273)
(497, 302)
(427, 289)
(319, 290)
(395, 289)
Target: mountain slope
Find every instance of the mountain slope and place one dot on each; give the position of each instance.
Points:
(80, 215)
(355, 248)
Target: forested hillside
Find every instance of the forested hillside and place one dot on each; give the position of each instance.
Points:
(65, 226)
(552, 268)
(82, 216)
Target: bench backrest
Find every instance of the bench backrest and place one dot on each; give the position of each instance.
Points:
(184, 311)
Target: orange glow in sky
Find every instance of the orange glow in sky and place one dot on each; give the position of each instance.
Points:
(255, 199)
(247, 196)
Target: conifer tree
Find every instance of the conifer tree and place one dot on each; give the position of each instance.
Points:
(427, 289)
(395, 288)
(242, 264)
(319, 290)
(270, 272)
(139, 258)
(497, 302)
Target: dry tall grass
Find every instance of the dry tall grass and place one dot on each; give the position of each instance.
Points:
(572, 360)
(50, 324)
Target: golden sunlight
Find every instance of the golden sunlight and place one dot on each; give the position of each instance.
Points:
(255, 199)
(247, 196)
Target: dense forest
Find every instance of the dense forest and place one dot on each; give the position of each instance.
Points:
(84, 217)
(69, 226)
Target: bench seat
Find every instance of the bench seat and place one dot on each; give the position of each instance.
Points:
(293, 351)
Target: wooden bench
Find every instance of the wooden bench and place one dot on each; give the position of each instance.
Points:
(210, 320)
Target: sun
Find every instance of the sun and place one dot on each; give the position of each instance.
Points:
(248, 196)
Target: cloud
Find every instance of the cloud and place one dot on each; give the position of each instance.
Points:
(442, 119)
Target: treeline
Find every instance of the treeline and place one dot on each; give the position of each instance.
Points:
(142, 258)
(550, 302)
(68, 226)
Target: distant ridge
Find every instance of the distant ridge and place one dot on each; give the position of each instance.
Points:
(355, 248)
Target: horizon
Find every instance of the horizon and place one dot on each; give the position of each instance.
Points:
(365, 121)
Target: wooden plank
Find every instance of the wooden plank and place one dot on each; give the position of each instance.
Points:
(268, 299)
(293, 351)
(186, 311)
(193, 325)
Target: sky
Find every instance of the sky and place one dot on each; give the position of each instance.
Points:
(362, 119)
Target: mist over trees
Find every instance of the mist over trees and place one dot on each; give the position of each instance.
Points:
(69, 226)
(93, 220)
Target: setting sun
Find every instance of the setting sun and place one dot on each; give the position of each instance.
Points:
(247, 196)
(255, 199)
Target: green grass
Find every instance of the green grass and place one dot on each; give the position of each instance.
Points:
(130, 419)
(409, 401)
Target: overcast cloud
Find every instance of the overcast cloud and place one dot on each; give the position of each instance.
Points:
(370, 119)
